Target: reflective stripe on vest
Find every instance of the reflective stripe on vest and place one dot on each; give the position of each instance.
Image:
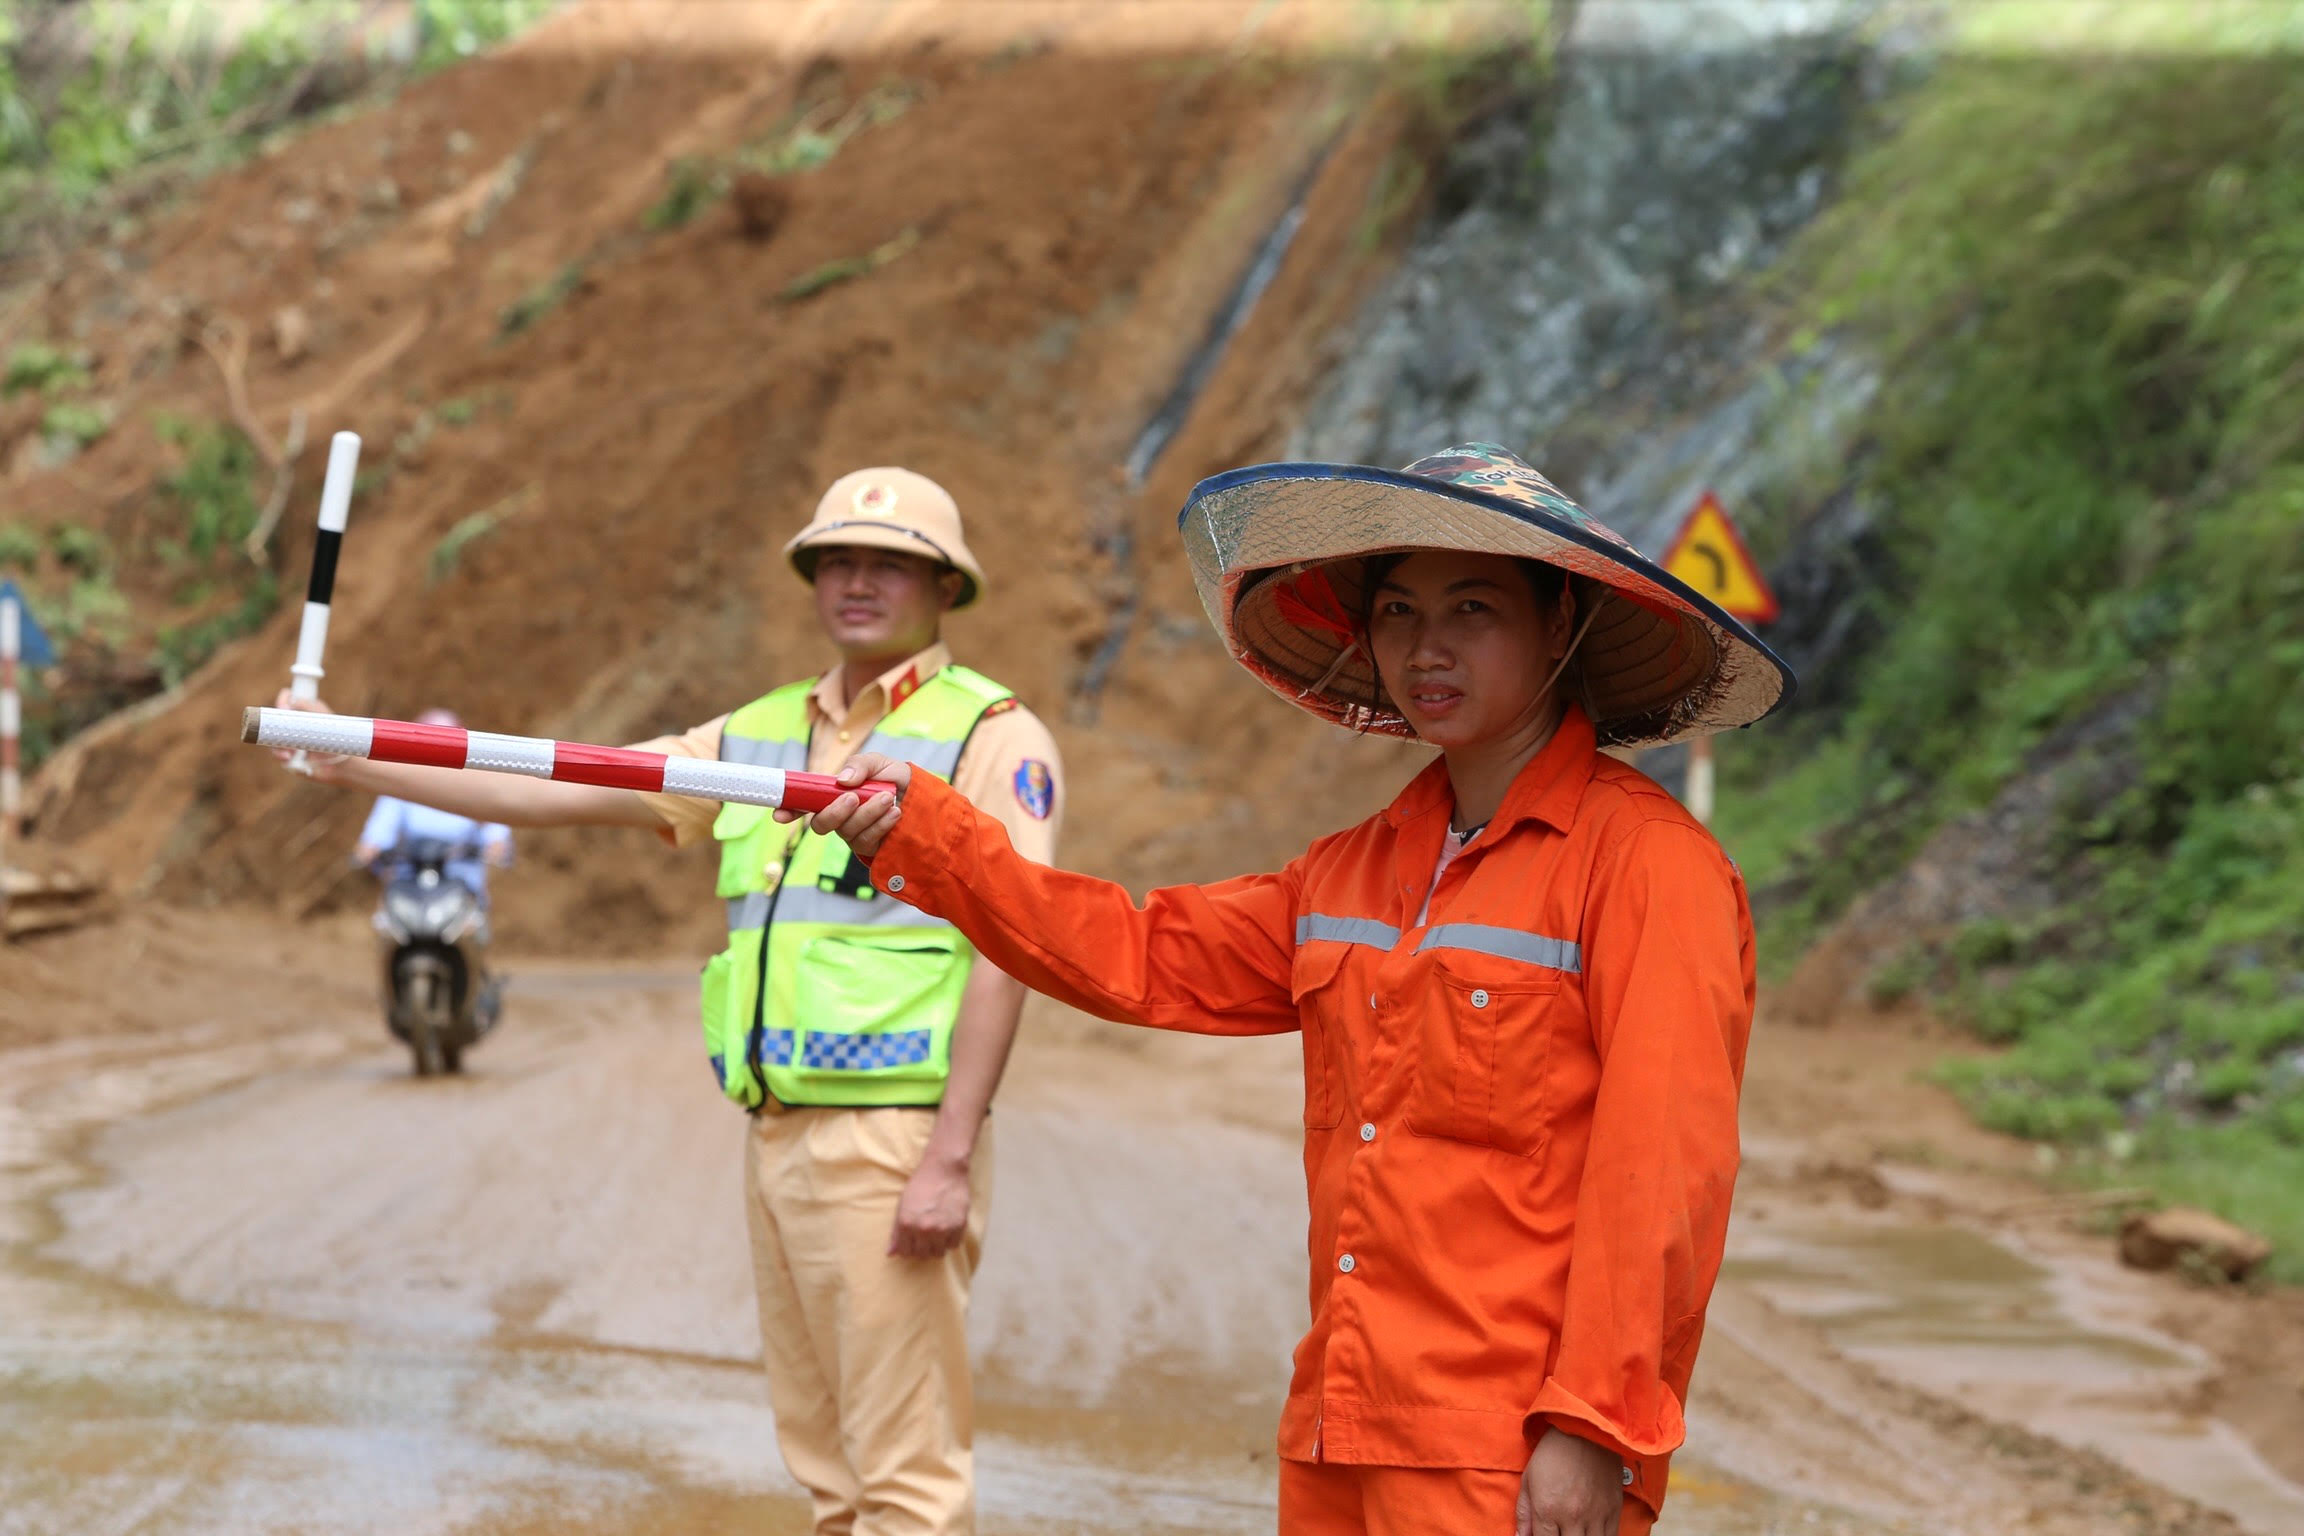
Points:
(812, 904)
(809, 941)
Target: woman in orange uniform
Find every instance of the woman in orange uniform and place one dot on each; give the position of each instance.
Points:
(1524, 988)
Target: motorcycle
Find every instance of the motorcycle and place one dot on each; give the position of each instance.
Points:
(439, 999)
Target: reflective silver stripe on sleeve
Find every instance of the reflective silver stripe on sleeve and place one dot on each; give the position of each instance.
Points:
(938, 757)
(761, 752)
(1505, 944)
(1313, 928)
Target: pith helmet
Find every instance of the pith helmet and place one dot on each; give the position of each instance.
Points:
(1279, 553)
(889, 509)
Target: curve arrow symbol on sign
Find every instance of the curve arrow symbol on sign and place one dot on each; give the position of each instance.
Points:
(1709, 555)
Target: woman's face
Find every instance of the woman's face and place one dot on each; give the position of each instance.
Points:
(1464, 647)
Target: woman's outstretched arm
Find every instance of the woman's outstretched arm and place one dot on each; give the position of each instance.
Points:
(1212, 959)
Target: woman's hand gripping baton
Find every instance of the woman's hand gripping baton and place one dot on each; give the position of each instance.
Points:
(858, 813)
(320, 591)
(535, 757)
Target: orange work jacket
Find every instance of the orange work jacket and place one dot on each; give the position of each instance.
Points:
(1519, 1117)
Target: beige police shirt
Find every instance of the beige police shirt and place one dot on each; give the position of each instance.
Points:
(1010, 770)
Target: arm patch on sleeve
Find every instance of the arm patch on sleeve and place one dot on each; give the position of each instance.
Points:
(1035, 788)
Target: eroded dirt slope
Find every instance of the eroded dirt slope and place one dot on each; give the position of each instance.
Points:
(1063, 206)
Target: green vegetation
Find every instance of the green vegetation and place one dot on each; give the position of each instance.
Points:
(471, 529)
(833, 273)
(178, 650)
(449, 30)
(807, 140)
(449, 552)
(49, 370)
(19, 547)
(82, 551)
(539, 301)
(2084, 273)
(95, 92)
(215, 487)
(692, 183)
(72, 425)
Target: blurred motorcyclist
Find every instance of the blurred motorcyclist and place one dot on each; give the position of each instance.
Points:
(393, 823)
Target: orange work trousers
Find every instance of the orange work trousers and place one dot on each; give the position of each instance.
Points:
(1328, 1498)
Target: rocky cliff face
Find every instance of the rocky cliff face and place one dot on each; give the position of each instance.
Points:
(1584, 292)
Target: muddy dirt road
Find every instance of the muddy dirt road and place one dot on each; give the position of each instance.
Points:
(255, 1278)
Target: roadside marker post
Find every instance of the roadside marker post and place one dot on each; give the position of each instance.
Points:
(22, 643)
(319, 592)
(1709, 555)
(21, 640)
(11, 722)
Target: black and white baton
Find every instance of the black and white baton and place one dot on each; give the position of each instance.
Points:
(312, 638)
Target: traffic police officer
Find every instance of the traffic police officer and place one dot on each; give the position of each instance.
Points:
(865, 1037)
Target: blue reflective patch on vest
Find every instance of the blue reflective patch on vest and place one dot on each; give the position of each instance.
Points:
(865, 1053)
(776, 1046)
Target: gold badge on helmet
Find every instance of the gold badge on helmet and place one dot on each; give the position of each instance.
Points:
(876, 500)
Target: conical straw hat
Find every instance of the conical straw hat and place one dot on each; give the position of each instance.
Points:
(1279, 554)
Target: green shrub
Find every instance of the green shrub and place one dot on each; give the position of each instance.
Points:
(215, 487)
(37, 366)
(1901, 975)
(449, 552)
(178, 650)
(19, 547)
(451, 30)
(75, 423)
(540, 301)
(692, 183)
(94, 606)
(83, 551)
(2081, 272)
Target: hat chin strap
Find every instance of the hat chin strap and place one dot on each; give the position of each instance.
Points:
(1353, 648)
(1569, 654)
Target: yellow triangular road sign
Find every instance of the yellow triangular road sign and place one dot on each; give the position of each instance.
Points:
(1709, 556)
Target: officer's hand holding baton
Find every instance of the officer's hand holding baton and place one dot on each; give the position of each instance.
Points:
(863, 824)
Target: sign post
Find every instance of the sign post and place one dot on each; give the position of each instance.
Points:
(1709, 555)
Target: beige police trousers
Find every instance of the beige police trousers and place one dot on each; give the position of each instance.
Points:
(867, 1354)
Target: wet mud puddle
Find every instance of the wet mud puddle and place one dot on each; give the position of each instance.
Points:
(1958, 1314)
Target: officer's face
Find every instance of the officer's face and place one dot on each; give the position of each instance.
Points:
(1464, 647)
(877, 603)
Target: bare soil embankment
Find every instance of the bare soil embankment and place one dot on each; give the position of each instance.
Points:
(587, 436)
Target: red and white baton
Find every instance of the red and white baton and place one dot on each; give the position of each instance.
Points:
(535, 757)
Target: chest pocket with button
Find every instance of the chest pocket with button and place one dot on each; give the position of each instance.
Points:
(1487, 1034)
(1319, 986)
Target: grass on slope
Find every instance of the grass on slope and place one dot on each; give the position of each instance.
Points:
(2086, 275)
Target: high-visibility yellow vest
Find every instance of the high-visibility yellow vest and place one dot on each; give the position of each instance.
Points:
(830, 993)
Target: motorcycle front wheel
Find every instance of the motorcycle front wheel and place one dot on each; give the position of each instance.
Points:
(428, 1045)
